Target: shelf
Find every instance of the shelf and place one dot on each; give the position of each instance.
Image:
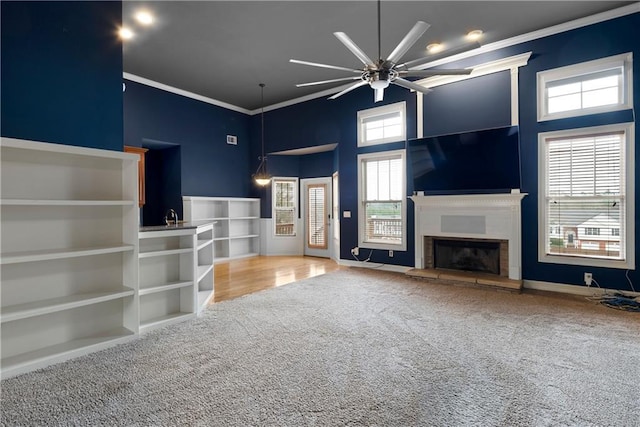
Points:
(19, 363)
(246, 236)
(38, 308)
(164, 287)
(165, 320)
(45, 255)
(204, 243)
(203, 270)
(41, 202)
(165, 252)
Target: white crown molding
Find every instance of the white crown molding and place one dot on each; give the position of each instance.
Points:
(523, 38)
(545, 32)
(480, 70)
(184, 93)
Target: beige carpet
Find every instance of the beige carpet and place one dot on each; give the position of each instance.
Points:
(356, 348)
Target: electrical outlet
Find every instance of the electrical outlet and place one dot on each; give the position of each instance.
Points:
(390, 254)
(588, 277)
(355, 251)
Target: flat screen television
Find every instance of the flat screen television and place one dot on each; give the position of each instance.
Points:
(482, 161)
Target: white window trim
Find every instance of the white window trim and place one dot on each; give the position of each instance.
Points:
(361, 211)
(296, 208)
(400, 107)
(624, 60)
(543, 221)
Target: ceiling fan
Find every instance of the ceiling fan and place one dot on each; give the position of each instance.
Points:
(382, 72)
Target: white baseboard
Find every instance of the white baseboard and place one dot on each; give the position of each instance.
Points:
(375, 265)
(570, 289)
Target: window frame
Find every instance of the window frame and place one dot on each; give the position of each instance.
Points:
(296, 205)
(628, 195)
(382, 155)
(547, 77)
(366, 115)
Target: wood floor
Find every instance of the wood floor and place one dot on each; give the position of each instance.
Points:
(244, 276)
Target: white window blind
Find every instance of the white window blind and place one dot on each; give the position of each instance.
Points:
(316, 216)
(285, 206)
(384, 181)
(585, 195)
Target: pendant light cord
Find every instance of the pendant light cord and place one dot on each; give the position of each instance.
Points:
(262, 85)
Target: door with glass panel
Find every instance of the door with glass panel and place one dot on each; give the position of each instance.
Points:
(316, 210)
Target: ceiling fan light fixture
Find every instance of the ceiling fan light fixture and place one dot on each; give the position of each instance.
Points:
(379, 84)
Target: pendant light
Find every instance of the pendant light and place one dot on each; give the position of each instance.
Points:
(261, 176)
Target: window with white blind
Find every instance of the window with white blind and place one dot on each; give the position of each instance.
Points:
(382, 200)
(586, 196)
(586, 88)
(382, 124)
(285, 206)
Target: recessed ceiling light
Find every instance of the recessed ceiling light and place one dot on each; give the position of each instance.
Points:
(435, 47)
(144, 17)
(474, 35)
(125, 33)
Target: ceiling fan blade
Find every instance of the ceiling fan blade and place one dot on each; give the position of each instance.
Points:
(333, 67)
(412, 65)
(410, 85)
(348, 89)
(378, 95)
(353, 48)
(409, 40)
(437, 72)
(328, 81)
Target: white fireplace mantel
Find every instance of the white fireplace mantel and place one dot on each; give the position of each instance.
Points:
(475, 216)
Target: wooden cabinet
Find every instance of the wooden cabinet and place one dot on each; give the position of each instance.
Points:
(69, 252)
(141, 168)
(237, 224)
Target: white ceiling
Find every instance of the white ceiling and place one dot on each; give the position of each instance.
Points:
(223, 49)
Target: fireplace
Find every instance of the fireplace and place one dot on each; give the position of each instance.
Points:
(467, 255)
(494, 219)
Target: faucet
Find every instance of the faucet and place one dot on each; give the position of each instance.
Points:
(171, 217)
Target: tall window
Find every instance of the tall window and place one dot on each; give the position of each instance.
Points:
(382, 124)
(586, 192)
(382, 197)
(285, 206)
(586, 88)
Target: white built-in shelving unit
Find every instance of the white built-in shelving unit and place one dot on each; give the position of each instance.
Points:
(69, 252)
(237, 224)
(166, 277)
(204, 266)
(175, 273)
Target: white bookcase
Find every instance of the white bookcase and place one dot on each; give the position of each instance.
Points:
(204, 266)
(69, 252)
(237, 224)
(166, 277)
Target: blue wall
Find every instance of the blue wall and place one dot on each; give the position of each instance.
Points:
(209, 166)
(472, 104)
(61, 73)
